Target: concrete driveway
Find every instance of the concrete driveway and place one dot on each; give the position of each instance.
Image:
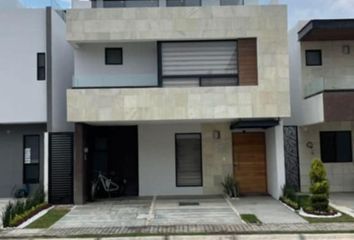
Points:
(343, 202)
(180, 210)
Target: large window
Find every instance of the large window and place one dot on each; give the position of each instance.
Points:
(198, 63)
(188, 160)
(114, 56)
(336, 146)
(231, 2)
(183, 3)
(40, 66)
(313, 57)
(31, 158)
(124, 3)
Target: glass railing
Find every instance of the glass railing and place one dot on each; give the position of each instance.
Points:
(164, 3)
(119, 80)
(319, 85)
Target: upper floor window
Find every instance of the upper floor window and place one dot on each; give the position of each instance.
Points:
(114, 56)
(313, 57)
(336, 146)
(124, 3)
(231, 2)
(183, 3)
(40, 66)
(198, 63)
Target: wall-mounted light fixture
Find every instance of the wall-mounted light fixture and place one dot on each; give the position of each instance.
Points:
(216, 134)
(346, 49)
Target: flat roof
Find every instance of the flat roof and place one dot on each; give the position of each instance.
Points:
(327, 30)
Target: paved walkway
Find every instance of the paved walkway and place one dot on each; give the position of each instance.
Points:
(181, 210)
(343, 202)
(267, 210)
(237, 237)
(181, 229)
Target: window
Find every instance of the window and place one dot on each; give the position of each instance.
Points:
(40, 66)
(198, 63)
(231, 2)
(114, 56)
(313, 57)
(336, 146)
(183, 3)
(188, 160)
(31, 158)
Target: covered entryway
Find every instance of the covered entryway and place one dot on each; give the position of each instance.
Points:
(113, 151)
(249, 161)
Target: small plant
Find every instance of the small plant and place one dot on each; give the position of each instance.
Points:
(319, 187)
(250, 218)
(294, 205)
(289, 192)
(230, 186)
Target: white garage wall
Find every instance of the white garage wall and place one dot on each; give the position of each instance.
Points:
(275, 160)
(157, 174)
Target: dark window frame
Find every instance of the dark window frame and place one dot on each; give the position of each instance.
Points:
(120, 52)
(319, 51)
(201, 160)
(198, 76)
(184, 4)
(41, 77)
(223, 4)
(323, 151)
(24, 178)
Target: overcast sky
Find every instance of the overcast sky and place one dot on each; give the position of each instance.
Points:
(298, 9)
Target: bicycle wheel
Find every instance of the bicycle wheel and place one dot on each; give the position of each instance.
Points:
(93, 191)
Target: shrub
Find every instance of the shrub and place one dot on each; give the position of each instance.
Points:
(17, 212)
(290, 203)
(230, 186)
(289, 192)
(319, 187)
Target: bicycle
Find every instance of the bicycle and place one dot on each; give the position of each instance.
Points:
(108, 185)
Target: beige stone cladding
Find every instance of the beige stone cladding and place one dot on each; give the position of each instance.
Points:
(217, 156)
(266, 23)
(340, 175)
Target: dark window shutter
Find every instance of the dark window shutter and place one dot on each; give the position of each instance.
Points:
(61, 168)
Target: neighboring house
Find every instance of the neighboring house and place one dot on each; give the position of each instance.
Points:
(36, 67)
(322, 83)
(175, 95)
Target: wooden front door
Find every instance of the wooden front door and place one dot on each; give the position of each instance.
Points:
(249, 159)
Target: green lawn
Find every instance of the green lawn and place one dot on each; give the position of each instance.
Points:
(343, 218)
(51, 217)
(250, 218)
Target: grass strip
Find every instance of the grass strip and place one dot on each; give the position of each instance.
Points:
(250, 218)
(51, 217)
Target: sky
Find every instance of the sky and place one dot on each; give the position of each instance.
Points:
(298, 9)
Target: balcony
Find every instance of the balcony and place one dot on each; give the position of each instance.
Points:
(320, 85)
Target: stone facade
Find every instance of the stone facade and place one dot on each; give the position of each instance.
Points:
(266, 23)
(340, 175)
(217, 156)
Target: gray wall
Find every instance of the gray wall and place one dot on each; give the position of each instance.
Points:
(23, 98)
(11, 155)
(139, 66)
(62, 73)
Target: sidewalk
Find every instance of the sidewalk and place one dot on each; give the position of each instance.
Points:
(181, 229)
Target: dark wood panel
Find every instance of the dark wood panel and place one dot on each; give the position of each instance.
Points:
(247, 57)
(339, 106)
(249, 158)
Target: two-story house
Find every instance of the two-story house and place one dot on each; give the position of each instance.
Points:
(322, 83)
(174, 95)
(36, 68)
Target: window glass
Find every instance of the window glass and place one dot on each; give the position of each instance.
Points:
(188, 160)
(180, 3)
(114, 56)
(231, 2)
(336, 146)
(40, 66)
(31, 158)
(313, 58)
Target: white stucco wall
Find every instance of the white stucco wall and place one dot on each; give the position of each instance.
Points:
(275, 160)
(23, 98)
(139, 66)
(62, 72)
(157, 159)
